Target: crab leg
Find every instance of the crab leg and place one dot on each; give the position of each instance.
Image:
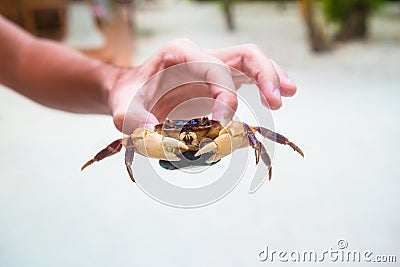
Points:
(253, 141)
(273, 136)
(259, 149)
(110, 150)
(266, 159)
(129, 153)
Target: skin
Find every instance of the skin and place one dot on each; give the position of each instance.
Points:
(62, 78)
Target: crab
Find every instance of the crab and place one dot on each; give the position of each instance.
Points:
(196, 142)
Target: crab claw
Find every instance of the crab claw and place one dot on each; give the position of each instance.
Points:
(210, 147)
(155, 145)
(230, 138)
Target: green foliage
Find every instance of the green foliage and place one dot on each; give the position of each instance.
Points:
(335, 10)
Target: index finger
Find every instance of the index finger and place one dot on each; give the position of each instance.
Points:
(204, 67)
(267, 75)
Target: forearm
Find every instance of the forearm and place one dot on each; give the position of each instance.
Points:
(52, 74)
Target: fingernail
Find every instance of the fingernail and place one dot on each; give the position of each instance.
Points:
(277, 93)
(227, 117)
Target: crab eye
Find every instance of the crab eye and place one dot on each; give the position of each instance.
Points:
(204, 121)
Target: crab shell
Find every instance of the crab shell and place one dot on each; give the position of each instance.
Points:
(197, 137)
(168, 143)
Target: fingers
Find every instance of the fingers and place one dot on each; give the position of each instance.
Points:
(208, 67)
(225, 104)
(180, 51)
(267, 75)
(127, 123)
(202, 67)
(136, 116)
(288, 88)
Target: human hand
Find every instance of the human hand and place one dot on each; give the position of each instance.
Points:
(155, 101)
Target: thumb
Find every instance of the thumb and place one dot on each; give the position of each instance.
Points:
(133, 119)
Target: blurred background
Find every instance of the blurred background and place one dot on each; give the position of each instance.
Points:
(344, 55)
